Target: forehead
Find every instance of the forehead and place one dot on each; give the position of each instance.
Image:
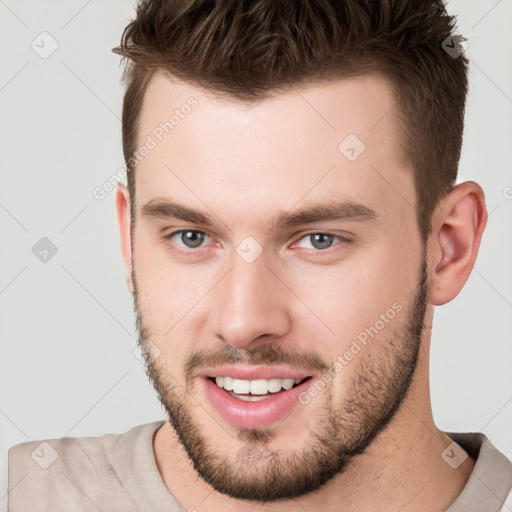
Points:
(328, 140)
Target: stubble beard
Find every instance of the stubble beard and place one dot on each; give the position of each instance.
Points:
(343, 431)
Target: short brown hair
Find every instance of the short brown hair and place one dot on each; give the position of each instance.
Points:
(248, 49)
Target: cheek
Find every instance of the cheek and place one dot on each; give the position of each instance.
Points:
(166, 286)
(168, 298)
(368, 290)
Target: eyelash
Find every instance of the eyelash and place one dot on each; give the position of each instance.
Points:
(343, 241)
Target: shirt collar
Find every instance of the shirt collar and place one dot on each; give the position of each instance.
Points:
(491, 479)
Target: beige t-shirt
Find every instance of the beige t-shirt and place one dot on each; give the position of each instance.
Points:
(118, 472)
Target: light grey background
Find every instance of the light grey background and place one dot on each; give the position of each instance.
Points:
(67, 366)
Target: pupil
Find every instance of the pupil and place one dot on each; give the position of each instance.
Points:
(192, 238)
(321, 241)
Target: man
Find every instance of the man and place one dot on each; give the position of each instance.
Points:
(290, 221)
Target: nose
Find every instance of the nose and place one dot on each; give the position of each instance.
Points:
(251, 305)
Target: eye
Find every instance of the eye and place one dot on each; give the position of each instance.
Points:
(321, 241)
(188, 238)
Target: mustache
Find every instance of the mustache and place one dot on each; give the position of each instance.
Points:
(268, 355)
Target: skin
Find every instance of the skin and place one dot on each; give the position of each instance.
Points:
(245, 164)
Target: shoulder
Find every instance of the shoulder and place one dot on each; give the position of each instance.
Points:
(70, 473)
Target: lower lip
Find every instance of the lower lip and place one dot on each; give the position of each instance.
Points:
(254, 415)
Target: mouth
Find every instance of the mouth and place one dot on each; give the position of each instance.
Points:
(255, 403)
(255, 390)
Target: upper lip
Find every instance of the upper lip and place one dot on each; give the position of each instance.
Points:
(254, 372)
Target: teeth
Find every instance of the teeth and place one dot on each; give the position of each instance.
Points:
(255, 387)
(249, 398)
(228, 383)
(274, 385)
(241, 386)
(258, 387)
(288, 383)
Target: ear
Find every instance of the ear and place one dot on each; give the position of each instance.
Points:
(124, 219)
(457, 227)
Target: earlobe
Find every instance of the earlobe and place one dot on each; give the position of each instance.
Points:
(124, 219)
(457, 228)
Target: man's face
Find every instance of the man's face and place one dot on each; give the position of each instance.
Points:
(333, 304)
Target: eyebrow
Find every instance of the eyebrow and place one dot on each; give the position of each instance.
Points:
(159, 208)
